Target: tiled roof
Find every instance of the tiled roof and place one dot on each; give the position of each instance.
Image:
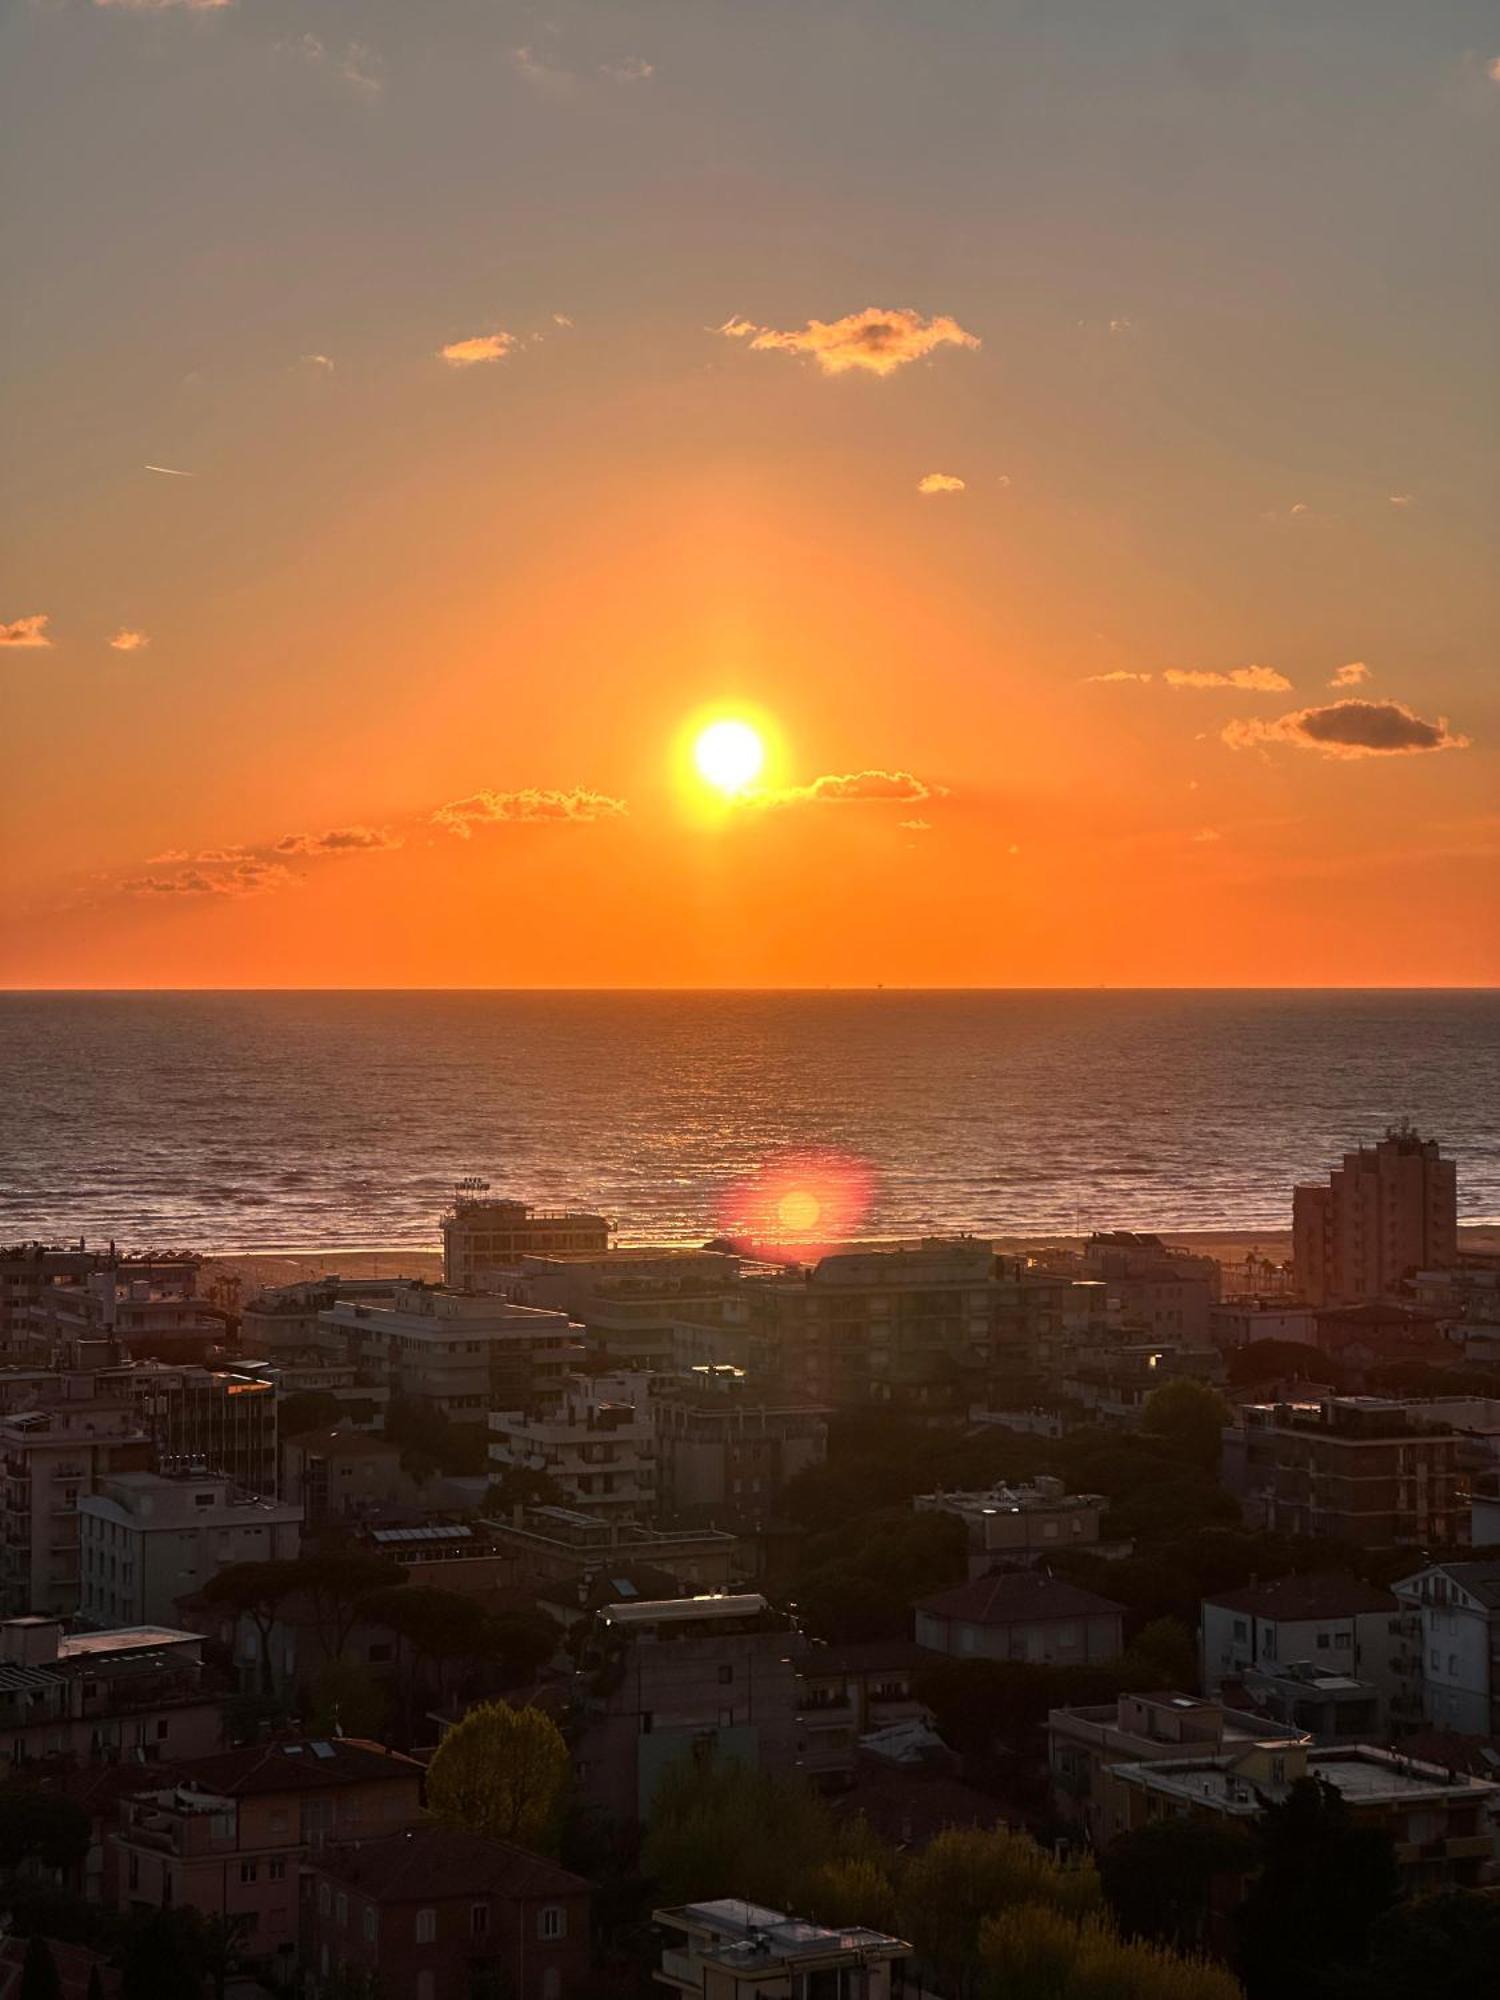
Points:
(1479, 1579)
(292, 1767)
(1018, 1597)
(1300, 1598)
(429, 1862)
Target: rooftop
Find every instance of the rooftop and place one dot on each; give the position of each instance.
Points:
(427, 1863)
(685, 1610)
(296, 1766)
(750, 1934)
(1299, 1598)
(1018, 1597)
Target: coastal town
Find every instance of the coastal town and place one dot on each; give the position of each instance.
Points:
(607, 1619)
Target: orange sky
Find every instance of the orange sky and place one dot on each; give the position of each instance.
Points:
(1179, 334)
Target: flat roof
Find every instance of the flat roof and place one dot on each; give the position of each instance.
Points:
(679, 1610)
(124, 1639)
(751, 1933)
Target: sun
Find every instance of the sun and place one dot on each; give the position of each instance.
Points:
(730, 756)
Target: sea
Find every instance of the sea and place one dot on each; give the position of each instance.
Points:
(321, 1121)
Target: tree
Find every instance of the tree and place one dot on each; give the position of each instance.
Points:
(347, 1700)
(502, 1771)
(1190, 1417)
(42, 1827)
(1440, 1944)
(853, 1891)
(309, 1410)
(163, 1957)
(522, 1486)
(1032, 1952)
(39, 1979)
(257, 1591)
(1162, 1654)
(435, 1627)
(338, 1581)
(1323, 1882)
(1158, 1880)
(858, 1582)
(968, 1874)
(721, 1828)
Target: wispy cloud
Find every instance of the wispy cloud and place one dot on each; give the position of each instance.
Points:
(164, 6)
(629, 69)
(1117, 675)
(550, 74)
(853, 787)
(127, 640)
(940, 482)
(1258, 680)
(916, 825)
(478, 347)
(1401, 499)
(532, 806)
(1349, 729)
(27, 632)
(340, 840)
(321, 364)
(355, 64)
(1350, 675)
(246, 878)
(876, 341)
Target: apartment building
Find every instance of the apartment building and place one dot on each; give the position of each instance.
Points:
(140, 1694)
(438, 1914)
(1239, 1322)
(1455, 1608)
(597, 1444)
(727, 1443)
(1360, 1469)
(50, 1458)
(1163, 1293)
(658, 1682)
(1388, 1211)
(849, 1692)
(343, 1476)
(1115, 1380)
(464, 1354)
(230, 1835)
(735, 1950)
(30, 1272)
(559, 1553)
(484, 1233)
(1443, 1823)
(1019, 1524)
(285, 1322)
(148, 1539)
(1336, 1625)
(1085, 1744)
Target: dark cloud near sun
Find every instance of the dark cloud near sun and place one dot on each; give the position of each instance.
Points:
(877, 341)
(1350, 729)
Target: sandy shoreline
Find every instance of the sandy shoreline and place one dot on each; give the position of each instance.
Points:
(257, 1269)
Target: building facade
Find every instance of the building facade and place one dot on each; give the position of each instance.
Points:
(1388, 1211)
(147, 1539)
(1361, 1469)
(465, 1355)
(1456, 1610)
(484, 1233)
(1020, 1524)
(1021, 1615)
(726, 1443)
(597, 1444)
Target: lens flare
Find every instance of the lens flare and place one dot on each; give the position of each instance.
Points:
(798, 1206)
(729, 755)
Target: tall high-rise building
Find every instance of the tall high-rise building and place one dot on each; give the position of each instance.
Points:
(1389, 1210)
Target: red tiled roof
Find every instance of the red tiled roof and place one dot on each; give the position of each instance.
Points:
(429, 1862)
(1306, 1597)
(74, 1963)
(1018, 1597)
(288, 1767)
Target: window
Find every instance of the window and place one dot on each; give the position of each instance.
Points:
(248, 1871)
(370, 1923)
(275, 1871)
(552, 1923)
(426, 1926)
(341, 1910)
(1241, 1629)
(203, 1499)
(426, 1986)
(325, 1899)
(479, 1920)
(726, 1675)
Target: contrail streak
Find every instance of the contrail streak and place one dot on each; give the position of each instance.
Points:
(172, 471)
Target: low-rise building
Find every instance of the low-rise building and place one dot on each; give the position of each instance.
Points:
(1021, 1615)
(1330, 1707)
(1456, 1607)
(1443, 1823)
(658, 1682)
(559, 1551)
(1241, 1322)
(147, 1539)
(1115, 1381)
(140, 1694)
(1166, 1293)
(230, 1835)
(1084, 1745)
(342, 1475)
(464, 1354)
(1020, 1523)
(1361, 1469)
(849, 1692)
(438, 1914)
(484, 1232)
(597, 1444)
(1334, 1624)
(733, 1950)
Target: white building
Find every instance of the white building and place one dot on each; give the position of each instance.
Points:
(1458, 1604)
(735, 1950)
(1334, 1623)
(598, 1444)
(146, 1540)
(483, 1233)
(464, 1354)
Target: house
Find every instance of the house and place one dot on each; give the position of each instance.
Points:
(1021, 1615)
(140, 1693)
(735, 1950)
(230, 1834)
(1019, 1523)
(1336, 1624)
(441, 1914)
(1457, 1608)
(1085, 1744)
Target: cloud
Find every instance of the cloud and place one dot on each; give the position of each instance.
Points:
(940, 482)
(1122, 325)
(547, 78)
(340, 840)
(222, 854)
(247, 878)
(128, 641)
(26, 632)
(357, 65)
(1401, 499)
(164, 6)
(461, 816)
(1350, 729)
(1259, 680)
(1351, 675)
(877, 340)
(630, 69)
(916, 825)
(1206, 835)
(171, 471)
(167, 854)
(479, 347)
(1492, 70)
(561, 319)
(1119, 674)
(854, 786)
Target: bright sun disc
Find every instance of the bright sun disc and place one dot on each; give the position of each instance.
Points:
(729, 756)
